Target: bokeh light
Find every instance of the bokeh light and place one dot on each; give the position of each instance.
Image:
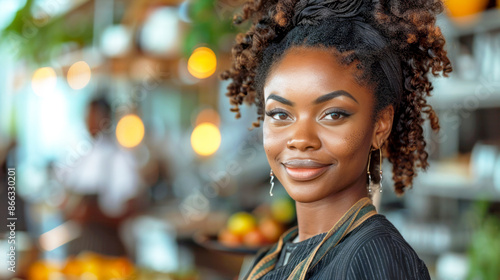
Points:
(130, 131)
(462, 8)
(116, 40)
(205, 139)
(157, 22)
(44, 81)
(208, 115)
(202, 63)
(79, 75)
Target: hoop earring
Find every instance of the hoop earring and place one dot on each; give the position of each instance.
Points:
(272, 182)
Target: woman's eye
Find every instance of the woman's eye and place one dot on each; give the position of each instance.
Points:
(280, 116)
(335, 115)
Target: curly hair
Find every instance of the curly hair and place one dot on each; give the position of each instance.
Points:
(409, 33)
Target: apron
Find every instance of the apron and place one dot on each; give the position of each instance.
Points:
(267, 257)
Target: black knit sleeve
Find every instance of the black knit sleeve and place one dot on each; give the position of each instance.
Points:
(384, 258)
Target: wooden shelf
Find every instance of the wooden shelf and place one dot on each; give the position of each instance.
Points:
(455, 187)
(456, 94)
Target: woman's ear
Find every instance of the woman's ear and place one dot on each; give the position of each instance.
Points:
(383, 126)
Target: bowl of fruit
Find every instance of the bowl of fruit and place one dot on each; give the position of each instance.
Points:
(247, 232)
(85, 265)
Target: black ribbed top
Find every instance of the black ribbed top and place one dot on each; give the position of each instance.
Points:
(374, 250)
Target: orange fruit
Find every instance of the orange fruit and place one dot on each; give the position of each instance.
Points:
(227, 238)
(241, 223)
(460, 8)
(270, 229)
(254, 238)
(73, 267)
(118, 268)
(91, 264)
(42, 270)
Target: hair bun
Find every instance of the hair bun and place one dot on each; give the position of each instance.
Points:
(313, 11)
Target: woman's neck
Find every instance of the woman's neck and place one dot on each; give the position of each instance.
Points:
(320, 216)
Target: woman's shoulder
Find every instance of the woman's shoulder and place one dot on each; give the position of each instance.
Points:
(377, 250)
(376, 227)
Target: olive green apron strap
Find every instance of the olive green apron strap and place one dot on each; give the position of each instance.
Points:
(355, 216)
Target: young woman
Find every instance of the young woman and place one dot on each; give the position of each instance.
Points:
(339, 85)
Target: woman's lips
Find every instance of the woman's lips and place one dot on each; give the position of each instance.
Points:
(305, 170)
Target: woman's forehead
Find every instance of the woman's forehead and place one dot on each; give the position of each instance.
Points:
(314, 70)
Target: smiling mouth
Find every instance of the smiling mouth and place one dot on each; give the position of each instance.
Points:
(305, 170)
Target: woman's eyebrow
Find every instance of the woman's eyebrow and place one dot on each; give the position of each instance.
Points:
(332, 95)
(280, 99)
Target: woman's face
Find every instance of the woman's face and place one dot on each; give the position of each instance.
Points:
(317, 128)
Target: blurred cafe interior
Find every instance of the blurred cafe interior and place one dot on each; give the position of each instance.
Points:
(129, 163)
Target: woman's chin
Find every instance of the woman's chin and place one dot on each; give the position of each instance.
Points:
(304, 193)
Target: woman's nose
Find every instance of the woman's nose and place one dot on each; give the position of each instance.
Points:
(304, 137)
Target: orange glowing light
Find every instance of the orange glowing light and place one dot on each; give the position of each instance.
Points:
(79, 75)
(205, 139)
(462, 8)
(44, 81)
(130, 131)
(202, 63)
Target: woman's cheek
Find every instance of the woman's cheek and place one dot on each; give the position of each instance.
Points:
(338, 142)
(352, 141)
(266, 138)
(355, 149)
(269, 142)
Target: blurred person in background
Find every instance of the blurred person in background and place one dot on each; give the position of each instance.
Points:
(338, 86)
(103, 185)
